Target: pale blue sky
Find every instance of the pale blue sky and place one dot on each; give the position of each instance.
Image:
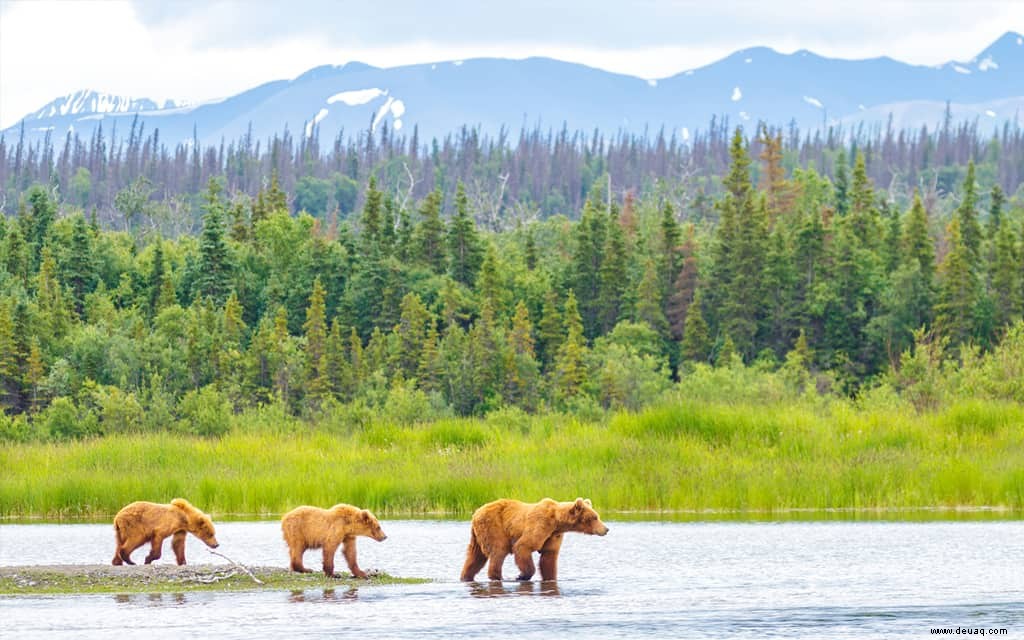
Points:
(200, 49)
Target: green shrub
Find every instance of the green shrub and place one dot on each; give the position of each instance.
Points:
(205, 412)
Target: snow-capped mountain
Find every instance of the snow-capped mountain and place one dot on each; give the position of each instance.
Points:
(439, 98)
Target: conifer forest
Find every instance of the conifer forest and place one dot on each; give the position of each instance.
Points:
(146, 287)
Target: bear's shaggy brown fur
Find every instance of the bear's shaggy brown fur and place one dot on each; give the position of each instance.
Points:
(142, 522)
(315, 528)
(510, 526)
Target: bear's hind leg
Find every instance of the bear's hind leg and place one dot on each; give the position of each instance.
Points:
(329, 550)
(128, 546)
(295, 554)
(117, 561)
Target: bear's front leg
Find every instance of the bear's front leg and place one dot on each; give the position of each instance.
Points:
(348, 549)
(524, 560)
(549, 557)
(178, 546)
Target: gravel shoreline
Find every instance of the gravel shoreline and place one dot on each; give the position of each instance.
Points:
(99, 578)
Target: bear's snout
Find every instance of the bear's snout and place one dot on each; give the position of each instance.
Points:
(381, 538)
(603, 531)
(213, 544)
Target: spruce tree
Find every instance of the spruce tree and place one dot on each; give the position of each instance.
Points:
(696, 345)
(429, 234)
(465, 250)
(372, 220)
(430, 369)
(156, 277)
(318, 384)
(549, 329)
(670, 260)
(958, 291)
(276, 200)
(614, 278)
(524, 374)
(684, 288)
(995, 210)
(54, 311)
(568, 370)
(841, 186)
(648, 308)
(967, 215)
(215, 271)
(10, 369)
(1006, 276)
(586, 268)
(917, 243)
(489, 281)
(80, 275)
(411, 333)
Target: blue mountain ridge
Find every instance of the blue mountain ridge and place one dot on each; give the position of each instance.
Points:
(747, 86)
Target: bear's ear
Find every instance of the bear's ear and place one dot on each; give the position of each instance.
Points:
(365, 515)
(586, 501)
(577, 507)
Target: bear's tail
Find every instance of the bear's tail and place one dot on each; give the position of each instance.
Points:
(475, 558)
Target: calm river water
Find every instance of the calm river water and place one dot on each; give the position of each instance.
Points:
(644, 579)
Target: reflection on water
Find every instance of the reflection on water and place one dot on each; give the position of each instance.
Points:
(742, 580)
(497, 589)
(151, 599)
(325, 595)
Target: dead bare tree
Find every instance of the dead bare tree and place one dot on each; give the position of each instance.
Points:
(412, 185)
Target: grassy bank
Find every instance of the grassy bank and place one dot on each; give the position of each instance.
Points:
(85, 579)
(679, 456)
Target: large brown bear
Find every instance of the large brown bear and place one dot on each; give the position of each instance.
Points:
(510, 526)
(142, 522)
(315, 528)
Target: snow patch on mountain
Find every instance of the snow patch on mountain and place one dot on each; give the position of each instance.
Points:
(987, 63)
(736, 94)
(963, 70)
(381, 113)
(320, 115)
(814, 102)
(357, 97)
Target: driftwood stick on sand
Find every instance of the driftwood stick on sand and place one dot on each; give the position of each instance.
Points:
(242, 567)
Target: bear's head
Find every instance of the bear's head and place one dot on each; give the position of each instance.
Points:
(367, 525)
(199, 524)
(581, 517)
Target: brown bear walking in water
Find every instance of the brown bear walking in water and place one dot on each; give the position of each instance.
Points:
(510, 526)
(142, 522)
(314, 528)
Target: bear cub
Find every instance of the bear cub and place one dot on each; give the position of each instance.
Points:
(142, 522)
(315, 528)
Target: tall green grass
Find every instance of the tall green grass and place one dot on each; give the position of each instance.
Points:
(681, 455)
